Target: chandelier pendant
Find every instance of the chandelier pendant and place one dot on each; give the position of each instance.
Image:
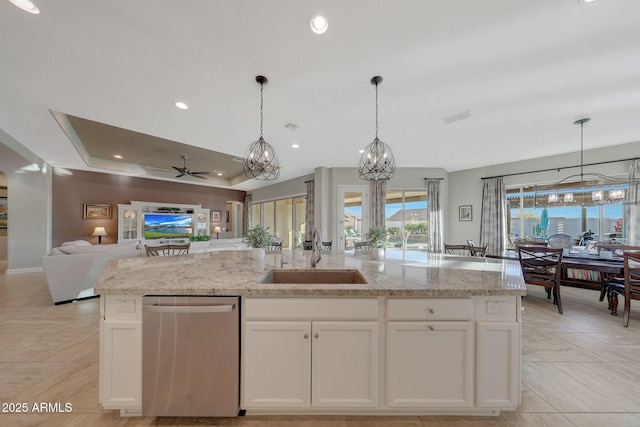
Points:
(260, 160)
(377, 161)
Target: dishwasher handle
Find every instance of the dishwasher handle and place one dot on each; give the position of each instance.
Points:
(189, 309)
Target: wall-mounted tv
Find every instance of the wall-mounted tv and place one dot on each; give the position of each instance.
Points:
(167, 226)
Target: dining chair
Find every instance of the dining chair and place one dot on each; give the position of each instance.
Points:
(275, 246)
(628, 286)
(360, 246)
(307, 245)
(560, 241)
(541, 266)
(456, 249)
(171, 249)
(479, 251)
(326, 246)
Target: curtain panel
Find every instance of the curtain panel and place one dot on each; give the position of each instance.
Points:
(493, 221)
(377, 200)
(309, 215)
(434, 216)
(247, 214)
(632, 210)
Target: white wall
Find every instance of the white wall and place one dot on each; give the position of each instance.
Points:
(465, 187)
(29, 199)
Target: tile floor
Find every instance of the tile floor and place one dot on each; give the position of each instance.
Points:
(579, 369)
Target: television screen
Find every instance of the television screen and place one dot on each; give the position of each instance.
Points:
(157, 226)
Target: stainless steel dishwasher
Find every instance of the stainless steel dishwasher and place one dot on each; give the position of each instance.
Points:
(190, 356)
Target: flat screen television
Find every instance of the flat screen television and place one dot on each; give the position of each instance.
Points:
(167, 226)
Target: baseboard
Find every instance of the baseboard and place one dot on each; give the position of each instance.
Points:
(23, 270)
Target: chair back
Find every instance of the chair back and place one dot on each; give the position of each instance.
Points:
(480, 251)
(529, 243)
(456, 249)
(275, 246)
(632, 274)
(561, 241)
(307, 245)
(540, 266)
(326, 246)
(360, 246)
(170, 249)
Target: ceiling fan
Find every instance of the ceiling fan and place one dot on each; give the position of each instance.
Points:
(185, 171)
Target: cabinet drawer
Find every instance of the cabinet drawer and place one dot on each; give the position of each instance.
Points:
(311, 308)
(430, 309)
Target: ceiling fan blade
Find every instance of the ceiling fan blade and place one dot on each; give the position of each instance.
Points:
(181, 170)
(199, 173)
(198, 176)
(180, 176)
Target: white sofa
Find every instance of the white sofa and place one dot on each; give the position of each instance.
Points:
(74, 268)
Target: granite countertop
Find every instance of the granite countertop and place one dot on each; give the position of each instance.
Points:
(402, 273)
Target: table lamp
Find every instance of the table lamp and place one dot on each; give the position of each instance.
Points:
(217, 230)
(99, 231)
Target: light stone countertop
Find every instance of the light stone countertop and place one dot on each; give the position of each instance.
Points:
(402, 273)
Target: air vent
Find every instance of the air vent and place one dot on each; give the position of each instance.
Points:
(457, 117)
(238, 159)
(291, 126)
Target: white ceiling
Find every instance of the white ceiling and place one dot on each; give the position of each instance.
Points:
(525, 69)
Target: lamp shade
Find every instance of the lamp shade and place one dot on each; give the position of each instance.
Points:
(99, 231)
(216, 229)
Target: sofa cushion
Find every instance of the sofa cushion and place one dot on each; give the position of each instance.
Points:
(76, 242)
(92, 249)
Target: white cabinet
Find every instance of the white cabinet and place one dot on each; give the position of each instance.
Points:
(121, 353)
(430, 364)
(310, 364)
(277, 368)
(430, 352)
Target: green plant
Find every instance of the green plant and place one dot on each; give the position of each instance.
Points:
(258, 237)
(377, 237)
(199, 238)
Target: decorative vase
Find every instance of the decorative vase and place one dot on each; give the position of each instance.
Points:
(377, 253)
(257, 253)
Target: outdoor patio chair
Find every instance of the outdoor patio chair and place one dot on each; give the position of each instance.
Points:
(456, 249)
(560, 241)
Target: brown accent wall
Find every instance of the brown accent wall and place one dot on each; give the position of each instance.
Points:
(71, 191)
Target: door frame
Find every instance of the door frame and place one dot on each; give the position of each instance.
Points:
(339, 227)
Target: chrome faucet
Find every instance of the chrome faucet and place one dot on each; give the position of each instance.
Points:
(316, 249)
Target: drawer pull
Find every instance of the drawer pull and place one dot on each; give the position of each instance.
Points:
(431, 310)
(431, 328)
(316, 336)
(306, 336)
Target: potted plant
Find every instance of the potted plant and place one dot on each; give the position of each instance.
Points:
(377, 239)
(259, 238)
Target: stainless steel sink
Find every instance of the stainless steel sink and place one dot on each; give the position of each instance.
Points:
(309, 277)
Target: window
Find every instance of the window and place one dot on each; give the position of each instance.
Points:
(407, 210)
(564, 209)
(285, 219)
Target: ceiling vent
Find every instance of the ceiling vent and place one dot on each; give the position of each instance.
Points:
(457, 117)
(291, 126)
(238, 159)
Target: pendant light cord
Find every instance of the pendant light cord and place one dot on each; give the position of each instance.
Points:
(376, 110)
(581, 151)
(261, 103)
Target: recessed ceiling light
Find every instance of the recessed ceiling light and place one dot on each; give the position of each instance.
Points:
(318, 23)
(117, 156)
(360, 151)
(219, 172)
(295, 146)
(181, 105)
(26, 5)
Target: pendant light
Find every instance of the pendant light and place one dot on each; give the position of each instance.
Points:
(377, 162)
(260, 160)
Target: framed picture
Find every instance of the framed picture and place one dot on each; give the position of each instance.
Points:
(465, 213)
(4, 209)
(96, 211)
(215, 216)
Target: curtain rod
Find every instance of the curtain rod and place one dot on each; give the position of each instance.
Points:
(311, 180)
(433, 179)
(560, 168)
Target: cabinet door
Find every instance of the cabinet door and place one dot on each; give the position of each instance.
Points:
(121, 364)
(277, 365)
(345, 364)
(497, 355)
(430, 364)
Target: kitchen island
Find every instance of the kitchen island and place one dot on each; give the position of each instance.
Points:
(426, 333)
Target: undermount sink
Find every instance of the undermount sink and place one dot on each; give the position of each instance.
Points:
(310, 277)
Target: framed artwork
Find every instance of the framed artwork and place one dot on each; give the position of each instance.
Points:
(215, 216)
(96, 211)
(465, 213)
(4, 209)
